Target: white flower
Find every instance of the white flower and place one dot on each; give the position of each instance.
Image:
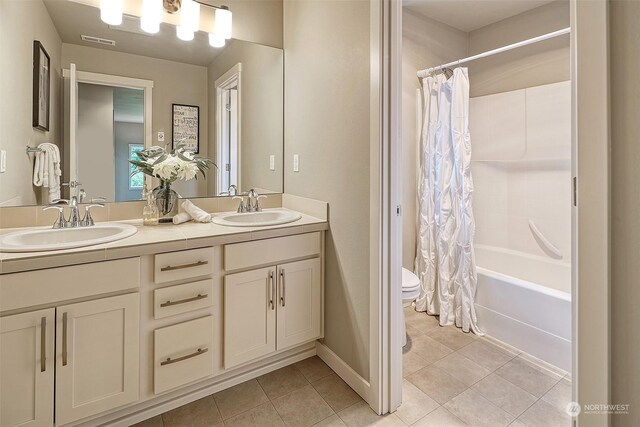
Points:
(186, 170)
(167, 169)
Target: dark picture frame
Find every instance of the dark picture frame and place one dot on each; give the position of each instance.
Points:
(185, 125)
(41, 86)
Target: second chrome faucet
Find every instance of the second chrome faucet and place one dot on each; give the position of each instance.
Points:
(252, 203)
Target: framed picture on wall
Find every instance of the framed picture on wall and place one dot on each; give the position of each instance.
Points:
(41, 86)
(186, 126)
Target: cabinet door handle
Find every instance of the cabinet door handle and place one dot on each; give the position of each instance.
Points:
(198, 352)
(182, 301)
(180, 267)
(64, 339)
(43, 344)
(282, 287)
(271, 290)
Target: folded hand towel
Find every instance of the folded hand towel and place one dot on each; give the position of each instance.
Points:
(181, 217)
(46, 169)
(196, 213)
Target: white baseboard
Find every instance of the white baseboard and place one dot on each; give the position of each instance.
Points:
(162, 404)
(344, 371)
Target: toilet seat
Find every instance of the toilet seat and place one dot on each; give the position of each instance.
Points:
(410, 281)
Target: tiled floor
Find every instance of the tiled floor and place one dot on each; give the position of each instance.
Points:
(450, 379)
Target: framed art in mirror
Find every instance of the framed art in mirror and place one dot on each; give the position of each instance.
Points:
(41, 86)
(186, 126)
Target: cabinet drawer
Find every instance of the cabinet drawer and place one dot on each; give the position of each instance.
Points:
(32, 288)
(182, 298)
(270, 251)
(183, 353)
(183, 265)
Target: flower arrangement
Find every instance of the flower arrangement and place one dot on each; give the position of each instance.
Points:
(170, 166)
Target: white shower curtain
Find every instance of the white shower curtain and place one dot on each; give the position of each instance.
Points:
(445, 261)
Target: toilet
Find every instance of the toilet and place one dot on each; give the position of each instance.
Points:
(410, 291)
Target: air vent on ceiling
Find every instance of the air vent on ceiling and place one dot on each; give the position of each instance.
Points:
(92, 39)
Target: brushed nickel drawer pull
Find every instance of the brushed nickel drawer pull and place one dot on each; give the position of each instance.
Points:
(188, 356)
(182, 301)
(64, 339)
(282, 285)
(180, 267)
(271, 290)
(43, 344)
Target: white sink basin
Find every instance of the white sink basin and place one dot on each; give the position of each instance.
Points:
(65, 238)
(256, 219)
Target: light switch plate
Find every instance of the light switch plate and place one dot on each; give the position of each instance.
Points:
(296, 163)
(272, 162)
(3, 161)
(160, 136)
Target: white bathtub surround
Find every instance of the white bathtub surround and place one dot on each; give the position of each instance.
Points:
(525, 301)
(445, 260)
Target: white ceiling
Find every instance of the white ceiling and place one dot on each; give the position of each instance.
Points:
(74, 19)
(469, 15)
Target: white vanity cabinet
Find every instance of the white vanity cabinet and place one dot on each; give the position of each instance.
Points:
(275, 307)
(26, 369)
(97, 356)
(93, 346)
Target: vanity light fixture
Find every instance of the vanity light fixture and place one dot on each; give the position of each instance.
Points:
(222, 22)
(189, 20)
(151, 15)
(216, 40)
(111, 11)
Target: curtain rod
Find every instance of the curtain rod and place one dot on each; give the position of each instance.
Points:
(426, 72)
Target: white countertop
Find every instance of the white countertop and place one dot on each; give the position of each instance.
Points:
(154, 239)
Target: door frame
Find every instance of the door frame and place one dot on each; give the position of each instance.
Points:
(116, 81)
(385, 355)
(233, 77)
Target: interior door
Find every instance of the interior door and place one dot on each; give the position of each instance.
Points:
(97, 348)
(299, 302)
(249, 316)
(26, 369)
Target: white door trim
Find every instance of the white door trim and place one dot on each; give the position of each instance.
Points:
(233, 77)
(591, 217)
(386, 223)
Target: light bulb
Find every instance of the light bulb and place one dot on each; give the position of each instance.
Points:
(111, 11)
(184, 33)
(215, 40)
(151, 16)
(190, 15)
(223, 20)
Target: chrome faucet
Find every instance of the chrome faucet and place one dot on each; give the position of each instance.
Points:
(74, 214)
(255, 206)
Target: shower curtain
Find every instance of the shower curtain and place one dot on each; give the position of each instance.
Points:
(445, 261)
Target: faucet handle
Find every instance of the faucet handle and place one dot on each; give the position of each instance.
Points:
(258, 208)
(61, 221)
(57, 201)
(241, 207)
(87, 221)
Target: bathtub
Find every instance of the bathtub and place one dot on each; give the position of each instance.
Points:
(525, 301)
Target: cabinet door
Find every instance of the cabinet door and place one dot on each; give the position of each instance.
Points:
(249, 316)
(97, 345)
(26, 369)
(299, 302)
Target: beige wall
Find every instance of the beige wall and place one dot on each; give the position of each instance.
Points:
(327, 60)
(534, 65)
(22, 22)
(173, 82)
(625, 200)
(258, 21)
(425, 43)
(261, 108)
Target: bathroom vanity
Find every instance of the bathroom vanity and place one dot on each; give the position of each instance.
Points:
(116, 333)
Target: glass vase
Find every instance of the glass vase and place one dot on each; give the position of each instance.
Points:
(166, 199)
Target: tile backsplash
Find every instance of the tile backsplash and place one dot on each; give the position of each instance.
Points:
(31, 216)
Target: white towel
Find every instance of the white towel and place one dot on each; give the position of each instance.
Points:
(181, 217)
(195, 212)
(46, 169)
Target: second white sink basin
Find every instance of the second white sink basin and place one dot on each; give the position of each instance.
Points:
(256, 219)
(50, 239)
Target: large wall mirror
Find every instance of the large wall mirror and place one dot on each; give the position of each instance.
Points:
(109, 91)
